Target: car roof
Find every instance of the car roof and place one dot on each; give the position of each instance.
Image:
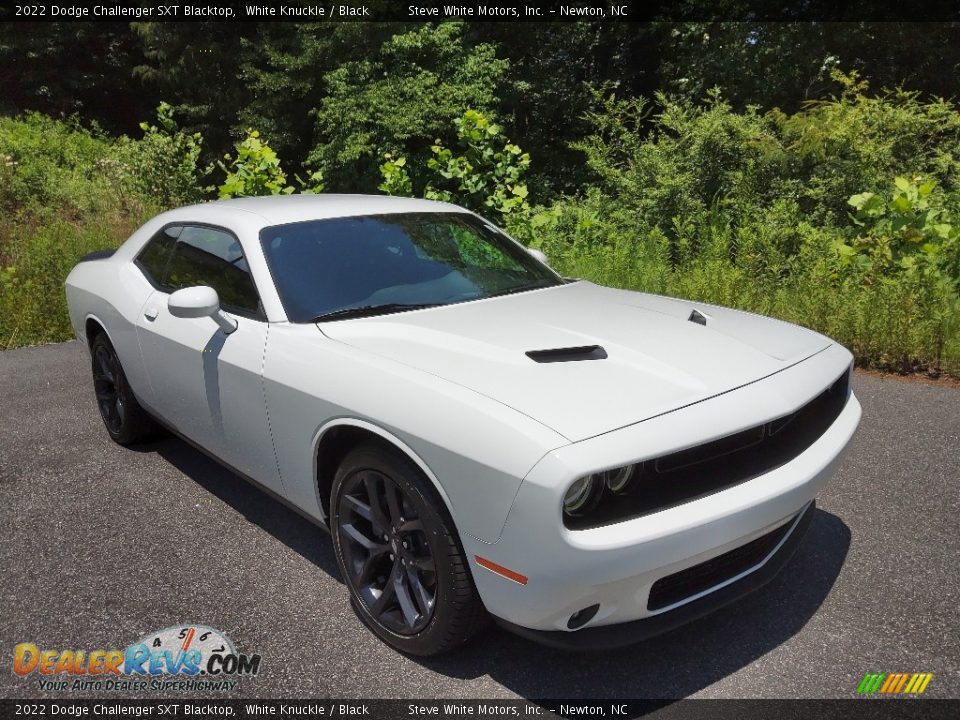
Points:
(281, 209)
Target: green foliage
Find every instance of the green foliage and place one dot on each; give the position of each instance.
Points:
(485, 174)
(908, 231)
(901, 323)
(195, 66)
(696, 154)
(256, 171)
(396, 179)
(840, 213)
(64, 191)
(35, 258)
(54, 164)
(66, 68)
(165, 163)
(787, 215)
(783, 64)
(399, 98)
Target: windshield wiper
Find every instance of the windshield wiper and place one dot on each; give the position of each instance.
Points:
(369, 310)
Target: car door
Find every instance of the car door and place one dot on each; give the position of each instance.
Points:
(205, 383)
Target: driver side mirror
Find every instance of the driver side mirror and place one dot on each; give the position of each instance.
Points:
(197, 302)
(539, 255)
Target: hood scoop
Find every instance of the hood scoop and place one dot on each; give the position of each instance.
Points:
(570, 354)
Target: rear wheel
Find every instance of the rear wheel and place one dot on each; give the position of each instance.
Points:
(399, 554)
(125, 420)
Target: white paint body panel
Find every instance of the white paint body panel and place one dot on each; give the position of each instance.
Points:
(500, 435)
(657, 360)
(616, 565)
(208, 385)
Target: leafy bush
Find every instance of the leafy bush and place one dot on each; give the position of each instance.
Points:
(909, 231)
(50, 163)
(396, 179)
(488, 173)
(787, 215)
(485, 176)
(399, 98)
(165, 163)
(694, 155)
(256, 171)
(65, 191)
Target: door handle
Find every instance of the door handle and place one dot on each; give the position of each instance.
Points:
(151, 313)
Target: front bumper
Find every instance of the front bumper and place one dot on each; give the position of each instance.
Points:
(607, 637)
(615, 566)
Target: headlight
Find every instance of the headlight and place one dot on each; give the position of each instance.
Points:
(583, 495)
(619, 480)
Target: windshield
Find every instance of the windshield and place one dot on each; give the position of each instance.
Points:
(388, 263)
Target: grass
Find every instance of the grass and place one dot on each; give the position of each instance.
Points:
(894, 326)
(35, 258)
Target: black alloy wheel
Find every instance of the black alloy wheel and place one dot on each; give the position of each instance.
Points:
(126, 421)
(106, 370)
(386, 552)
(399, 553)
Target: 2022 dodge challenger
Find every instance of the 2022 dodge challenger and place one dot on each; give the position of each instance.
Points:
(588, 466)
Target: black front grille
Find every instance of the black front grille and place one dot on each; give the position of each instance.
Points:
(686, 475)
(684, 584)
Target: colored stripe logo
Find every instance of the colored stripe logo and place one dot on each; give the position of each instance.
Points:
(894, 683)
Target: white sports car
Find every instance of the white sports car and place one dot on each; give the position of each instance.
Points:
(588, 466)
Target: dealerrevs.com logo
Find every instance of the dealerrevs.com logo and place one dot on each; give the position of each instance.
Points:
(182, 657)
(894, 683)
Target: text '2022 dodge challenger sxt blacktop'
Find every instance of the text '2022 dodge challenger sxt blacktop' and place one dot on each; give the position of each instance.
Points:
(481, 436)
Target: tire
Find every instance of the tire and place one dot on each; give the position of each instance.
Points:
(399, 554)
(126, 422)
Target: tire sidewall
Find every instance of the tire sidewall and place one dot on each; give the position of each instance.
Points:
(437, 528)
(123, 389)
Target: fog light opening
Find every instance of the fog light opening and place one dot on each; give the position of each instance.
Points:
(582, 617)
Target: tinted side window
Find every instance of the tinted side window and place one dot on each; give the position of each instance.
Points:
(205, 256)
(155, 256)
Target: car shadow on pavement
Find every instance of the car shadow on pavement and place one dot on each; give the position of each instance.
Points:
(670, 666)
(679, 663)
(256, 505)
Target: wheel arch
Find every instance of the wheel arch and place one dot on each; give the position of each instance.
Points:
(338, 437)
(93, 326)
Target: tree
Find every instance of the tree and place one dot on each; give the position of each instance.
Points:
(784, 64)
(61, 68)
(283, 68)
(547, 95)
(195, 67)
(400, 98)
(484, 173)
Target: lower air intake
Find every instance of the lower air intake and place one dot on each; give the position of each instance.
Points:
(685, 584)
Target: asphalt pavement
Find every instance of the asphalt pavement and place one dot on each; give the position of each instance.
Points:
(103, 544)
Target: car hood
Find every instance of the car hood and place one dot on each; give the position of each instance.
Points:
(657, 359)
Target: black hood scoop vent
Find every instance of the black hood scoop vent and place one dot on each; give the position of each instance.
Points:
(571, 354)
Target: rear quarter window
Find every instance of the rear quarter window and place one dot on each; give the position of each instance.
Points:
(155, 256)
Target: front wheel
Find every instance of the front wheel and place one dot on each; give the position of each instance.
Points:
(399, 554)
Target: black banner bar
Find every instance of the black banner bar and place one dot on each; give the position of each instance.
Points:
(853, 709)
(481, 11)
